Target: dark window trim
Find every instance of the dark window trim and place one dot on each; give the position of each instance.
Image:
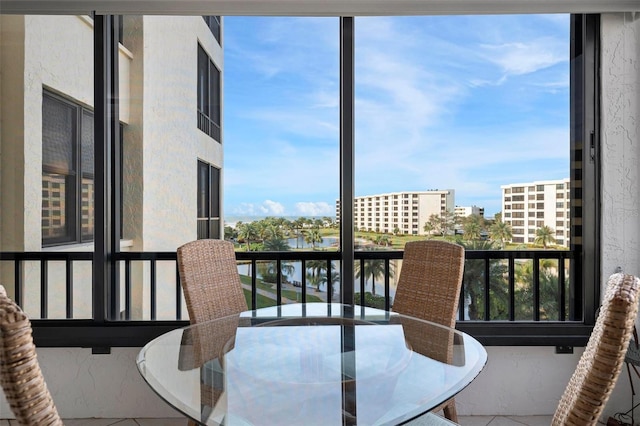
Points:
(209, 95)
(214, 24)
(208, 218)
(73, 209)
(101, 332)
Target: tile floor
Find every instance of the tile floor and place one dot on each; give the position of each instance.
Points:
(463, 420)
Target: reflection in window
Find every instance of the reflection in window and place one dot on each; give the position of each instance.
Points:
(208, 201)
(67, 171)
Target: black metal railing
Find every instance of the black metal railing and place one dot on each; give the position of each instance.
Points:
(493, 286)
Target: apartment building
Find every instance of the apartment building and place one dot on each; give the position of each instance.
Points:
(528, 207)
(399, 212)
(169, 109)
(465, 211)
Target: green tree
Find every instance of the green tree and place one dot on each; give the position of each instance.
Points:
(474, 284)
(443, 224)
(545, 236)
(473, 226)
(372, 268)
(381, 240)
(429, 226)
(314, 272)
(230, 233)
(248, 233)
(548, 290)
(500, 231)
(313, 236)
(275, 244)
(298, 226)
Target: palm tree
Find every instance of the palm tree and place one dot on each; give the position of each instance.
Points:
(473, 226)
(275, 244)
(500, 231)
(373, 268)
(545, 236)
(298, 226)
(548, 290)
(248, 232)
(471, 230)
(474, 284)
(313, 236)
(314, 272)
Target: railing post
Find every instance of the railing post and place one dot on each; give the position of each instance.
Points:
(347, 93)
(106, 152)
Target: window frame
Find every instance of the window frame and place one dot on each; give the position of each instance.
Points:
(207, 209)
(209, 103)
(214, 22)
(102, 333)
(75, 175)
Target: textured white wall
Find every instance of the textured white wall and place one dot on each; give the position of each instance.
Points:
(620, 143)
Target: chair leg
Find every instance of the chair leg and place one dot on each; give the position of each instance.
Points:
(450, 410)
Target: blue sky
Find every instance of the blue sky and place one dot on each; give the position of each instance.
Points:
(467, 103)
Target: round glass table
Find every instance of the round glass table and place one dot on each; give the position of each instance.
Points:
(310, 364)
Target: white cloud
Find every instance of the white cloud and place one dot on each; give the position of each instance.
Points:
(314, 209)
(526, 57)
(274, 208)
(245, 209)
(267, 208)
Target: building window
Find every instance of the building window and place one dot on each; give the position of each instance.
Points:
(213, 22)
(208, 201)
(67, 172)
(208, 95)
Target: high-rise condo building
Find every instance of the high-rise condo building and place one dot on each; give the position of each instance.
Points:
(167, 145)
(528, 207)
(399, 212)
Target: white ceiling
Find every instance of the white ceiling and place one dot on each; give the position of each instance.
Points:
(315, 7)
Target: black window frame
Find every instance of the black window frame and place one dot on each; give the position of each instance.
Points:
(209, 95)
(102, 332)
(214, 24)
(208, 211)
(74, 175)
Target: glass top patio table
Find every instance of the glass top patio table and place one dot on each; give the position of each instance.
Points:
(310, 364)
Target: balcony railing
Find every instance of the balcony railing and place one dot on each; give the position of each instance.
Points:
(508, 297)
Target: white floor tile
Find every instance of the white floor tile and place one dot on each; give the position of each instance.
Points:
(521, 420)
(178, 421)
(533, 420)
(474, 420)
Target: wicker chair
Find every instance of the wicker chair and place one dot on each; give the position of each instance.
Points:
(20, 374)
(212, 289)
(429, 288)
(597, 372)
(210, 280)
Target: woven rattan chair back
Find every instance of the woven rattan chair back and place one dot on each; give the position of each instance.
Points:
(430, 281)
(210, 280)
(429, 288)
(597, 372)
(20, 374)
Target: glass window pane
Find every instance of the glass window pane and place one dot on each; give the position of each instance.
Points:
(58, 123)
(281, 117)
(87, 143)
(203, 190)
